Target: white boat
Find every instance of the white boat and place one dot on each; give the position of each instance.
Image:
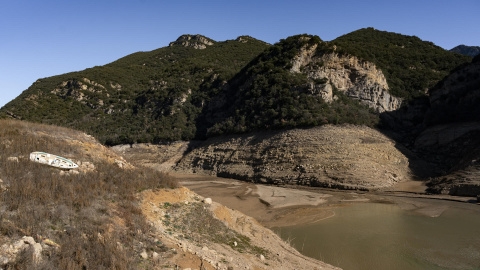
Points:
(52, 160)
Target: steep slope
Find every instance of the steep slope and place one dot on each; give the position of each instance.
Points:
(143, 97)
(456, 98)
(467, 50)
(198, 87)
(345, 157)
(443, 128)
(82, 218)
(452, 128)
(110, 214)
(300, 81)
(411, 65)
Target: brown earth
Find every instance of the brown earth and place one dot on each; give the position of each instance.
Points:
(345, 157)
(158, 228)
(315, 204)
(265, 250)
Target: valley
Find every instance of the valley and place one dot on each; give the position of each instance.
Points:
(395, 229)
(203, 153)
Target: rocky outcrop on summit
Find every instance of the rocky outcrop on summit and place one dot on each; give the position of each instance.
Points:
(356, 78)
(195, 41)
(347, 157)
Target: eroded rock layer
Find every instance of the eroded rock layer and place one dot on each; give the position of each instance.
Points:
(358, 79)
(347, 157)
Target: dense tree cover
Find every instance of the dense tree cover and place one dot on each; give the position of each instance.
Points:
(273, 97)
(410, 65)
(467, 50)
(143, 97)
(241, 85)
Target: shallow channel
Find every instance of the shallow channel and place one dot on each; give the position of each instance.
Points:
(383, 236)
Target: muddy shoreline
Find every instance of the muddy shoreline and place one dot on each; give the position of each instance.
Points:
(275, 206)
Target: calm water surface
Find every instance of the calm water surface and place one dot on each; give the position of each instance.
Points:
(383, 236)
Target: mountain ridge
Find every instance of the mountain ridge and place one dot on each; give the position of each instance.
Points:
(466, 50)
(168, 93)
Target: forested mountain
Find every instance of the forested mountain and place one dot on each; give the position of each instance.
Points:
(198, 87)
(467, 50)
(411, 65)
(143, 97)
(277, 91)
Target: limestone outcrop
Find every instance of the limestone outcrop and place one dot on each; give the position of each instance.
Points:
(346, 157)
(10, 252)
(84, 91)
(195, 41)
(356, 78)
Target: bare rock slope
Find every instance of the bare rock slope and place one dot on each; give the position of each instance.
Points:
(450, 137)
(347, 157)
(357, 78)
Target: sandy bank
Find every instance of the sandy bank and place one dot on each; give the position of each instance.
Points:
(275, 206)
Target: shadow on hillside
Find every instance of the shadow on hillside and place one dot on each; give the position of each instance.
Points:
(403, 126)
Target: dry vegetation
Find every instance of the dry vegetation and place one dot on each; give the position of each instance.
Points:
(92, 215)
(198, 223)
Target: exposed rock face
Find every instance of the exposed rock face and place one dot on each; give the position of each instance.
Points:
(348, 157)
(442, 135)
(451, 102)
(465, 182)
(195, 41)
(81, 91)
(446, 131)
(356, 78)
(9, 253)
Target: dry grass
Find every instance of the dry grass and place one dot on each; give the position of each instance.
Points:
(195, 221)
(73, 210)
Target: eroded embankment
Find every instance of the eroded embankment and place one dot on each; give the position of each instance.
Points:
(345, 157)
(208, 235)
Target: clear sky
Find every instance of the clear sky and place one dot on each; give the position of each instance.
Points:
(49, 37)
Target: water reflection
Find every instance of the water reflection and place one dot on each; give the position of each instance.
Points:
(383, 236)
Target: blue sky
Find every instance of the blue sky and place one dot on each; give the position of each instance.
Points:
(44, 38)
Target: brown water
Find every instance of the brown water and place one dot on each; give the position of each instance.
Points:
(383, 236)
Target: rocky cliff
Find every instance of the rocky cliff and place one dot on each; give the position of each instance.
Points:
(443, 128)
(356, 78)
(452, 128)
(195, 41)
(346, 157)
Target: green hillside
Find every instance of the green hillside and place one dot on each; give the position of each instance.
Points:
(410, 65)
(197, 87)
(266, 95)
(143, 97)
(467, 50)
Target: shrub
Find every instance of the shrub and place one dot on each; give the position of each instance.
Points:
(73, 210)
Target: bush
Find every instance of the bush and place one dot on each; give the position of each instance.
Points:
(74, 210)
(409, 64)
